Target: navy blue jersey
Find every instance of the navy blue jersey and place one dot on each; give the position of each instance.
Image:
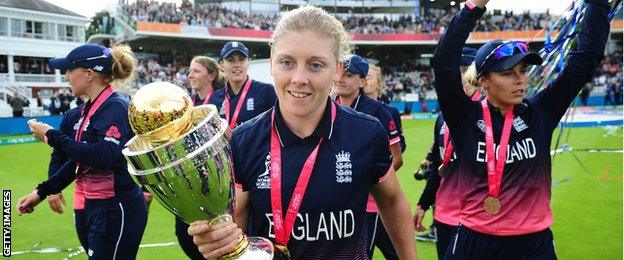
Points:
(261, 97)
(353, 157)
(525, 188)
(57, 158)
(378, 110)
(103, 169)
(396, 116)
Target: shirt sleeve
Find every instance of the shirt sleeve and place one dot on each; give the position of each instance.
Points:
(581, 63)
(446, 62)
(57, 158)
(382, 159)
(112, 128)
(392, 131)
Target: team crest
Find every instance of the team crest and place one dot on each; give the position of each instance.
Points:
(264, 179)
(519, 124)
(343, 167)
(481, 125)
(250, 104)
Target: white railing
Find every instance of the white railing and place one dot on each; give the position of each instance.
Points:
(47, 78)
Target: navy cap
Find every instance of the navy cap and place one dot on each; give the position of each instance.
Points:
(468, 56)
(232, 47)
(505, 63)
(88, 56)
(356, 65)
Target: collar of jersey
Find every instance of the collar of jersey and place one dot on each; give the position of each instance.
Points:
(323, 129)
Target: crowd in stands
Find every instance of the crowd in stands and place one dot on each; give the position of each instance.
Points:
(434, 21)
(27, 66)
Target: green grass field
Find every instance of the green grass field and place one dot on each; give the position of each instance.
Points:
(587, 205)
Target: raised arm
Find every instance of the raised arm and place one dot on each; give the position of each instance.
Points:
(581, 63)
(447, 59)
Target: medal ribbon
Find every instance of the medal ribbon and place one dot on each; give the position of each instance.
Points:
(206, 98)
(239, 104)
(448, 146)
(495, 166)
(85, 119)
(283, 227)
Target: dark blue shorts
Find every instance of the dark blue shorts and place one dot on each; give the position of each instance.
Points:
(445, 233)
(81, 228)
(469, 244)
(377, 236)
(115, 227)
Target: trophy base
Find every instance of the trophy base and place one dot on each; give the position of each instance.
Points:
(255, 248)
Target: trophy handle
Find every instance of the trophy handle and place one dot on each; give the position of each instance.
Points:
(248, 247)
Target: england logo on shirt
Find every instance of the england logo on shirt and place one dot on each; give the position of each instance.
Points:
(343, 167)
(264, 179)
(250, 104)
(519, 124)
(481, 125)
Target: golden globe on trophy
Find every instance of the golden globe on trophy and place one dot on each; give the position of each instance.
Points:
(182, 155)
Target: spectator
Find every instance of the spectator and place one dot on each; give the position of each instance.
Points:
(17, 104)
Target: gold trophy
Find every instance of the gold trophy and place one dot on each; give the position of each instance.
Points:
(182, 155)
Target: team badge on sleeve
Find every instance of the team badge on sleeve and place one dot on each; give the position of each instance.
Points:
(112, 134)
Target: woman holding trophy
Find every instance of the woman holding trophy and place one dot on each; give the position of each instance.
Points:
(304, 169)
(505, 195)
(115, 210)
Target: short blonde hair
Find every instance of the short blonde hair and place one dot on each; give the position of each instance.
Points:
(310, 18)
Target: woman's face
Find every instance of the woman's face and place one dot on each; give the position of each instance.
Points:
(303, 66)
(235, 67)
(372, 83)
(80, 80)
(506, 88)
(349, 84)
(199, 78)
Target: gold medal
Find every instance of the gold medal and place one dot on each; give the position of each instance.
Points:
(492, 205)
(441, 169)
(284, 250)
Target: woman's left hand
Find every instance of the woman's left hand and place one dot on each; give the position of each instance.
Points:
(38, 129)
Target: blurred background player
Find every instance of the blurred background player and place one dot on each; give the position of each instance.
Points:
(242, 98)
(115, 210)
(350, 93)
(441, 190)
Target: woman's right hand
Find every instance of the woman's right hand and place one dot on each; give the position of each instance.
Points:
(28, 203)
(215, 240)
(419, 215)
(56, 201)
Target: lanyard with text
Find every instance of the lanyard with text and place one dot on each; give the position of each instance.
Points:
(495, 164)
(85, 116)
(239, 104)
(448, 151)
(284, 225)
(448, 146)
(206, 98)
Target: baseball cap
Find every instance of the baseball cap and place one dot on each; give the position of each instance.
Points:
(356, 65)
(88, 56)
(468, 56)
(500, 55)
(232, 47)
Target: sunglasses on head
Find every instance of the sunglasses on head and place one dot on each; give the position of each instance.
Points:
(507, 49)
